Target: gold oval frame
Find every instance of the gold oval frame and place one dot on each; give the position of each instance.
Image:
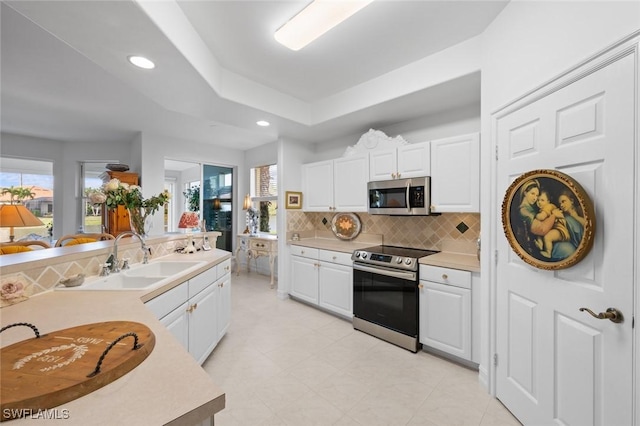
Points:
(525, 238)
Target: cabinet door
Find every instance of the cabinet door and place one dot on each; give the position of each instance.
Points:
(304, 279)
(445, 318)
(414, 160)
(351, 175)
(203, 327)
(383, 164)
(455, 174)
(336, 288)
(224, 305)
(318, 186)
(177, 322)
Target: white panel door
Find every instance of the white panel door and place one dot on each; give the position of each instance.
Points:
(556, 364)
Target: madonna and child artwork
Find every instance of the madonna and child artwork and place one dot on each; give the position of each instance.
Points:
(548, 219)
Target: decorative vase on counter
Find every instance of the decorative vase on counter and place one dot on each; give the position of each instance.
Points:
(140, 220)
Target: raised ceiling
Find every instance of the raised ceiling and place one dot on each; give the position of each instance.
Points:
(219, 70)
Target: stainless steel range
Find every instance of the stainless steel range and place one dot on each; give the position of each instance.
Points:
(385, 293)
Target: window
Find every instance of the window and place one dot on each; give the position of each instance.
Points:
(264, 192)
(91, 214)
(37, 176)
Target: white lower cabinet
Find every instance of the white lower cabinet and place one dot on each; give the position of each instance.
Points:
(323, 278)
(198, 311)
(445, 310)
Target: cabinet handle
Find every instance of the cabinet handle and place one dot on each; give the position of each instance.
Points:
(301, 251)
(445, 276)
(393, 175)
(334, 257)
(398, 175)
(192, 308)
(420, 286)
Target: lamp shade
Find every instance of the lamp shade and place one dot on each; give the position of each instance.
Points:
(17, 215)
(189, 220)
(247, 202)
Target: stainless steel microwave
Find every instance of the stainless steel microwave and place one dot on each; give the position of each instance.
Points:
(409, 197)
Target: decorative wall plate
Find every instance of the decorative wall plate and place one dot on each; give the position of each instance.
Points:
(346, 226)
(548, 219)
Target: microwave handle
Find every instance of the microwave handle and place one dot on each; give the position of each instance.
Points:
(407, 196)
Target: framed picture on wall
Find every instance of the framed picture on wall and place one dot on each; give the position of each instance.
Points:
(548, 219)
(293, 200)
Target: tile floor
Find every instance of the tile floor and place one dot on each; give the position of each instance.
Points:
(285, 363)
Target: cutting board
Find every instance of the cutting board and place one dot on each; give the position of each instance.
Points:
(47, 371)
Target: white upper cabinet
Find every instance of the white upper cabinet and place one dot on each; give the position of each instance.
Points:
(317, 193)
(350, 176)
(336, 185)
(455, 174)
(406, 161)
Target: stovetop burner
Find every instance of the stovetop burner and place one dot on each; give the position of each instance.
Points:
(400, 251)
(391, 256)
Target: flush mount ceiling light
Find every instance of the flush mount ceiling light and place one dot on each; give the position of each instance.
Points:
(141, 62)
(316, 19)
(263, 123)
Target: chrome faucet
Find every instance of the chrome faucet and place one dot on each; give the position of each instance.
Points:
(115, 262)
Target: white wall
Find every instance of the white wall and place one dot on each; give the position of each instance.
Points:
(291, 157)
(528, 44)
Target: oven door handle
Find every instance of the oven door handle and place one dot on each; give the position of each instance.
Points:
(403, 275)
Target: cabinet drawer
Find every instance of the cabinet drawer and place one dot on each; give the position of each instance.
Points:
(168, 301)
(223, 268)
(335, 257)
(202, 281)
(454, 277)
(311, 253)
(260, 245)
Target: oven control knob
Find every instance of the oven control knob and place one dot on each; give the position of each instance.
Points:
(364, 255)
(357, 254)
(407, 261)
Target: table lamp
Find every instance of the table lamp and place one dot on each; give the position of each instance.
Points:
(246, 205)
(17, 215)
(189, 220)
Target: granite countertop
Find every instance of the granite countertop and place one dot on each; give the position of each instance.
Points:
(169, 387)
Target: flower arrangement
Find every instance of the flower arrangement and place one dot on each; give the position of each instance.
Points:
(115, 193)
(118, 193)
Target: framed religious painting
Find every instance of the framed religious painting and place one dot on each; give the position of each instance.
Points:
(293, 200)
(548, 219)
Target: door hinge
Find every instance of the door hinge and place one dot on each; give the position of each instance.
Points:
(633, 322)
(496, 152)
(495, 256)
(495, 360)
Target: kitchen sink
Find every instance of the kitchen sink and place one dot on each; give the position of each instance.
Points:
(139, 277)
(163, 268)
(120, 282)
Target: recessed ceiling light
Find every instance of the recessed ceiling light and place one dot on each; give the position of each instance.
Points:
(141, 62)
(314, 20)
(263, 123)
